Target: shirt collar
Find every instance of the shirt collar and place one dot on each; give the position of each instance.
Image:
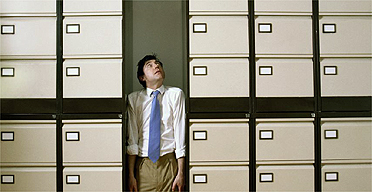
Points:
(149, 91)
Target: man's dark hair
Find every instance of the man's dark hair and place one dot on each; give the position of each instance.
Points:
(140, 65)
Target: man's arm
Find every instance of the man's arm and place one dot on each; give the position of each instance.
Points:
(132, 180)
(179, 181)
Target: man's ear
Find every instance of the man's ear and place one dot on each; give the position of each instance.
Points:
(142, 78)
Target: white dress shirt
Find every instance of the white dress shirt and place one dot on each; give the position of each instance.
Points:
(172, 106)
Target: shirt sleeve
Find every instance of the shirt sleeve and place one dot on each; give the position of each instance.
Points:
(179, 125)
(132, 148)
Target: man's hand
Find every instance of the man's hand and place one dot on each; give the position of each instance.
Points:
(132, 184)
(178, 183)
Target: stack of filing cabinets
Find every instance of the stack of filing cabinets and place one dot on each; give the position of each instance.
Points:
(61, 95)
(295, 113)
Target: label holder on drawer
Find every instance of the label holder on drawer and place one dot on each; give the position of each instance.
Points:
(73, 179)
(73, 28)
(265, 70)
(265, 28)
(7, 29)
(72, 71)
(330, 70)
(200, 28)
(73, 136)
(7, 136)
(331, 176)
(200, 178)
(200, 70)
(266, 134)
(266, 177)
(200, 135)
(7, 179)
(329, 28)
(7, 72)
(331, 134)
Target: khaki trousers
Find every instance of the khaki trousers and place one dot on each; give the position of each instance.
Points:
(158, 176)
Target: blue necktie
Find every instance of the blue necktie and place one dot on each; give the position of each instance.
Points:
(154, 137)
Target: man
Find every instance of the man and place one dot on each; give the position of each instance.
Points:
(156, 131)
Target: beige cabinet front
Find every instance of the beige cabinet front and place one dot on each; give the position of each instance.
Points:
(219, 141)
(345, 35)
(20, 77)
(283, 6)
(95, 36)
(28, 7)
(28, 179)
(230, 77)
(347, 177)
(100, 78)
(28, 143)
(346, 77)
(284, 78)
(30, 37)
(284, 141)
(283, 35)
(346, 139)
(82, 6)
(92, 143)
(219, 36)
(285, 178)
(345, 6)
(219, 178)
(92, 179)
(213, 6)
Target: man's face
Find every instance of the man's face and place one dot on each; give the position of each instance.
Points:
(153, 72)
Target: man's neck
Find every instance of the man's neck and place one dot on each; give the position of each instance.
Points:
(155, 85)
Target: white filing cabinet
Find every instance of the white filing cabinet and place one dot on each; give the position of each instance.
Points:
(43, 7)
(92, 78)
(92, 179)
(92, 142)
(279, 140)
(220, 7)
(284, 78)
(219, 36)
(28, 143)
(92, 37)
(226, 138)
(230, 77)
(28, 37)
(92, 7)
(346, 139)
(344, 6)
(346, 76)
(355, 32)
(28, 179)
(347, 177)
(283, 6)
(284, 35)
(219, 178)
(19, 78)
(285, 178)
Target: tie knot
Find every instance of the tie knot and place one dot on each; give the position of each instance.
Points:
(155, 93)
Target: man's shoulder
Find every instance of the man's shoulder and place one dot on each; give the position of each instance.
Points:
(135, 94)
(173, 90)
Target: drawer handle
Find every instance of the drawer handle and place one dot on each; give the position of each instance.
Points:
(200, 28)
(200, 135)
(266, 134)
(266, 70)
(200, 178)
(7, 29)
(72, 136)
(7, 179)
(72, 179)
(331, 176)
(7, 136)
(200, 70)
(265, 28)
(266, 177)
(329, 28)
(330, 70)
(73, 28)
(331, 134)
(7, 72)
(72, 71)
